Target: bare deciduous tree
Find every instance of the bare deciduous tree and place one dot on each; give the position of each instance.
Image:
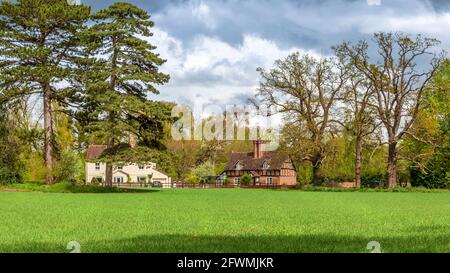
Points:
(399, 78)
(305, 89)
(359, 116)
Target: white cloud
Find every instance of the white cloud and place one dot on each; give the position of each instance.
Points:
(207, 65)
(208, 69)
(373, 2)
(432, 24)
(203, 13)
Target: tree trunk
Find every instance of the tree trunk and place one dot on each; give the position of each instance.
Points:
(48, 134)
(358, 159)
(392, 165)
(316, 179)
(109, 167)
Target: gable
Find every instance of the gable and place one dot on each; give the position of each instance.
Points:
(269, 161)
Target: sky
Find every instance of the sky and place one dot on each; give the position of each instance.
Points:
(214, 47)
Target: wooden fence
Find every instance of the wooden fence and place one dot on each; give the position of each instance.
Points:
(184, 185)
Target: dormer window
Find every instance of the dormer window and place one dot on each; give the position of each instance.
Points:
(266, 165)
(238, 166)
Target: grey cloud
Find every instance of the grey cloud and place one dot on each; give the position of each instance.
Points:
(307, 24)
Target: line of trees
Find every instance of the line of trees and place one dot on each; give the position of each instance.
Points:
(95, 69)
(372, 93)
(374, 110)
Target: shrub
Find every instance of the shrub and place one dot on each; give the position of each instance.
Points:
(10, 164)
(193, 179)
(226, 181)
(374, 180)
(69, 167)
(246, 179)
(437, 175)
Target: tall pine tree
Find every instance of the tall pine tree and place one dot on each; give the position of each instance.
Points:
(38, 46)
(119, 37)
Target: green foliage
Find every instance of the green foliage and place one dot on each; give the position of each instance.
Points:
(116, 101)
(193, 179)
(339, 165)
(34, 166)
(437, 173)
(69, 167)
(11, 167)
(430, 148)
(373, 180)
(202, 172)
(246, 179)
(39, 46)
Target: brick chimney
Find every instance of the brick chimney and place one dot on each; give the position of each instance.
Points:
(258, 149)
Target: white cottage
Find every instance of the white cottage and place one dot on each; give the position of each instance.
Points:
(128, 173)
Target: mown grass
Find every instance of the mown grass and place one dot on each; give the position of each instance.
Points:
(225, 220)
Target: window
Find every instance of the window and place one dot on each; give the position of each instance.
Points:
(266, 165)
(141, 167)
(118, 179)
(120, 167)
(97, 166)
(269, 180)
(237, 180)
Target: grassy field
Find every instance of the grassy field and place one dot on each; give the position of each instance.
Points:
(227, 220)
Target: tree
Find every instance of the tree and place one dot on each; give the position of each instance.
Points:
(306, 90)
(119, 39)
(398, 81)
(428, 146)
(359, 116)
(38, 45)
(10, 165)
(203, 171)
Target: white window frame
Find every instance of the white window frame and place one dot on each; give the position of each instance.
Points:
(97, 166)
(269, 180)
(237, 181)
(118, 179)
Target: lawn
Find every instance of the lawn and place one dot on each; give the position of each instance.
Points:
(225, 220)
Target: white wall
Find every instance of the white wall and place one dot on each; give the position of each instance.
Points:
(132, 170)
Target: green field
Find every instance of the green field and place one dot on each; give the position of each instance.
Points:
(226, 220)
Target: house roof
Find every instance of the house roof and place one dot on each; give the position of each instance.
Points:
(274, 159)
(121, 171)
(94, 151)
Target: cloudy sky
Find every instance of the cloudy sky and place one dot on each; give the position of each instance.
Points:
(214, 47)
